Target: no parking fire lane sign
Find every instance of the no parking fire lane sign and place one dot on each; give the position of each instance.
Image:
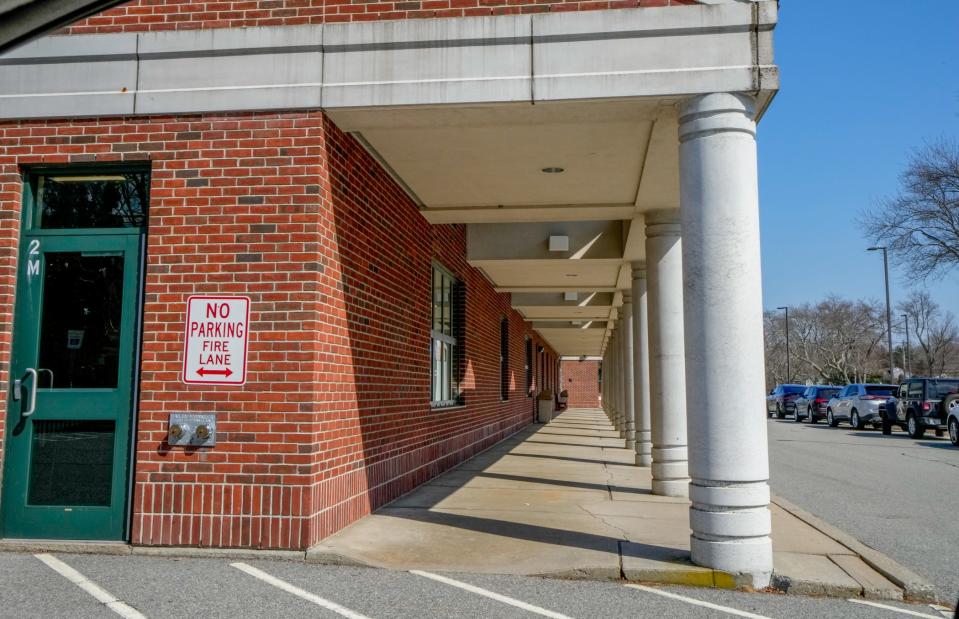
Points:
(217, 332)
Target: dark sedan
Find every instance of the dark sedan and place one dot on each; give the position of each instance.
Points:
(811, 404)
(781, 399)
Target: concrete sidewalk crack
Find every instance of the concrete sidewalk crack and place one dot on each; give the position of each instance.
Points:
(609, 479)
(622, 532)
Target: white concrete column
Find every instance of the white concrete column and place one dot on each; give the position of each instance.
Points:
(606, 378)
(620, 382)
(667, 368)
(602, 384)
(606, 407)
(613, 400)
(644, 436)
(729, 460)
(629, 418)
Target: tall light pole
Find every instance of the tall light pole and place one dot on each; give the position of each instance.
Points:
(885, 267)
(788, 373)
(907, 356)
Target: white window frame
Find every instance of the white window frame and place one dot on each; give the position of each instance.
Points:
(438, 339)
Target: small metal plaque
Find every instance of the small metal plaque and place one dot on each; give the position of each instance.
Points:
(192, 430)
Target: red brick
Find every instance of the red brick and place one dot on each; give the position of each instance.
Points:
(145, 15)
(335, 420)
(581, 381)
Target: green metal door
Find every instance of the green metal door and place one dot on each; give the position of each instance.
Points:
(69, 415)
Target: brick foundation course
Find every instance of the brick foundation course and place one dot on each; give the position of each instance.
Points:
(334, 420)
(581, 381)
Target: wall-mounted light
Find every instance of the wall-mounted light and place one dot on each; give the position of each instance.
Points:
(553, 170)
(558, 243)
(570, 296)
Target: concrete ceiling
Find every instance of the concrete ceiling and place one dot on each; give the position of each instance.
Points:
(483, 166)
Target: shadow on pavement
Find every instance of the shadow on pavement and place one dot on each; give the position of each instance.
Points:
(563, 482)
(564, 458)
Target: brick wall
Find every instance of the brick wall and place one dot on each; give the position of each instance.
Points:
(142, 15)
(335, 418)
(581, 380)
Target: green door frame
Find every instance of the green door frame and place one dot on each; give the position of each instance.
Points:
(17, 518)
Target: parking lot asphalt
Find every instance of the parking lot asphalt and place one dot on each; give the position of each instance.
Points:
(168, 588)
(898, 495)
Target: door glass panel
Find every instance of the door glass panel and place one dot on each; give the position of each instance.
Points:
(93, 201)
(80, 326)
(71, 463)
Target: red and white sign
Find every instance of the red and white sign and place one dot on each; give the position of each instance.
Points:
(217, 332)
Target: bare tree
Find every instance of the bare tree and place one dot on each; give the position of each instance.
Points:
(774, 335)
(838, 341)
(937, 335)
(921, 224)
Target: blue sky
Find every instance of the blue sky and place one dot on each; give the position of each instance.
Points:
(862, 85)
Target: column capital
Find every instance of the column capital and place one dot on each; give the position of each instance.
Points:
(714, 113)
(663, 223)
(627, 299)
(638, 269)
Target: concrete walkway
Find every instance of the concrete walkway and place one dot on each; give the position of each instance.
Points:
(564, 500)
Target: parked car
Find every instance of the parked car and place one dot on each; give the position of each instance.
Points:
(811, 404)
(922, 404)
(781, 399)
(859, 404)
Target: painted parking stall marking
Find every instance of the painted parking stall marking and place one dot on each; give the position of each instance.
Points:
(895, 609)
(301, 593)
(216, 343)
(675, 596)
(102, 595)
(491, 594)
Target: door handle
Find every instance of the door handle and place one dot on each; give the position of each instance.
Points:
(18, 388)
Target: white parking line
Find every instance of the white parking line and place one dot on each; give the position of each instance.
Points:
(102, 595)
(895, 609)
(695, 602)
(490, 594)
(306, 595)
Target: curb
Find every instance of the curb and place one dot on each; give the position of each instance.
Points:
(126, 550)
(914, 587)
(329, 557)
(688, 577)
(66, 547)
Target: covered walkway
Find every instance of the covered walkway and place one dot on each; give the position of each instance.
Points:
(566, 500)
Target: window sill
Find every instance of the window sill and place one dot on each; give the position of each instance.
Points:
(446, 407)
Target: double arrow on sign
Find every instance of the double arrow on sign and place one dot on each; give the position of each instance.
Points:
(205, 372)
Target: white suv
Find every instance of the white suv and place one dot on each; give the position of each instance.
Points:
(859, 404)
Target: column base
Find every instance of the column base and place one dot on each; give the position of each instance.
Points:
(671, 487)
(670, 471)
(749, 559)
(644, 448)
(630, 444)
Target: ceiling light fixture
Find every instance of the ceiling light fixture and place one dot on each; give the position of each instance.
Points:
(553, 170)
